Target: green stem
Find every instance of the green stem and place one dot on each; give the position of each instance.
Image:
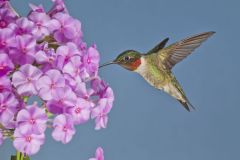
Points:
(22, 156)
(18, 155)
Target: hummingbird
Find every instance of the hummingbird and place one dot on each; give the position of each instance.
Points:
(155, 66)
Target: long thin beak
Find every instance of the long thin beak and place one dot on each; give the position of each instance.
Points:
(108, 63)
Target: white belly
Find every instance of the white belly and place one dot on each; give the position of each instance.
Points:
(173, 91)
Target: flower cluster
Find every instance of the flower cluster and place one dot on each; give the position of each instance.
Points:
(44, 55)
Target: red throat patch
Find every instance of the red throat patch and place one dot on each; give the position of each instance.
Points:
(136, 64)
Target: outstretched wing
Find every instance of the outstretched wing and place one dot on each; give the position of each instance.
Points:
(176, 52)
(158, 47)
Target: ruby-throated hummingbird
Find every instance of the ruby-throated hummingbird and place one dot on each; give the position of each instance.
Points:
(155, 65)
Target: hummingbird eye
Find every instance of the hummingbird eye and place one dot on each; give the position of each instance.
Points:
(126, 58)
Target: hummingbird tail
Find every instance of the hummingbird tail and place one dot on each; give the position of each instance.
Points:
(186, 105)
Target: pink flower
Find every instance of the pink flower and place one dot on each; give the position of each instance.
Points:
(46, 58)
(99, 155)
(74, 69)
(22, 26)
(6, 64)
(44, 25)
(48, 83)
(91, 60)
(8, 107)
(104, 106)
(6, 39)
(64, 54)
(32, 118)
(100, 113)
(46, 55)
(98, 85)
(5, 84)
(62, 99)
(23, 50)
(42, 57)
(81, 111)
(63, 128)
(7, 16)
(82, 91)
(58, 6)
(27, 142)
(107, 94)
(69, 29)
(103, 90)
(25, 79)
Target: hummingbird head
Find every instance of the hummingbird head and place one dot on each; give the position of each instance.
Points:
(129, 60)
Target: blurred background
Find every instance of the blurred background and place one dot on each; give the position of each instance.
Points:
(145, 123)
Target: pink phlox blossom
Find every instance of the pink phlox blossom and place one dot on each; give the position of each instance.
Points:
(23, 51)
(6, 39)
(104, 104)
(91, 61)
(43, 57)
(28, 142)
(6, 64)
(62, 99)
(58, 6)
(49, 82)
(64, 54)
(81, 111)
(100, 113)
(7, 16)
(44, 25)
(32, 118)
(74, 68)
(22, 26)
(47, 58)
(8, 108)
(82, 91)
(69, 30)
(5, 84)
(63, 128)
(25, 79)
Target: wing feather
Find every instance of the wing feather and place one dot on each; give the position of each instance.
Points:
(159, 46)
(176, 52)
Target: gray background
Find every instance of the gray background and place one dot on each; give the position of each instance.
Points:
(147, 124)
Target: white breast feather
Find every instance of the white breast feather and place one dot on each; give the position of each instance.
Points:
(141, 68)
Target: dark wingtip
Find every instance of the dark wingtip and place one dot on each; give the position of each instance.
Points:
(210, 33)
(159, 46)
